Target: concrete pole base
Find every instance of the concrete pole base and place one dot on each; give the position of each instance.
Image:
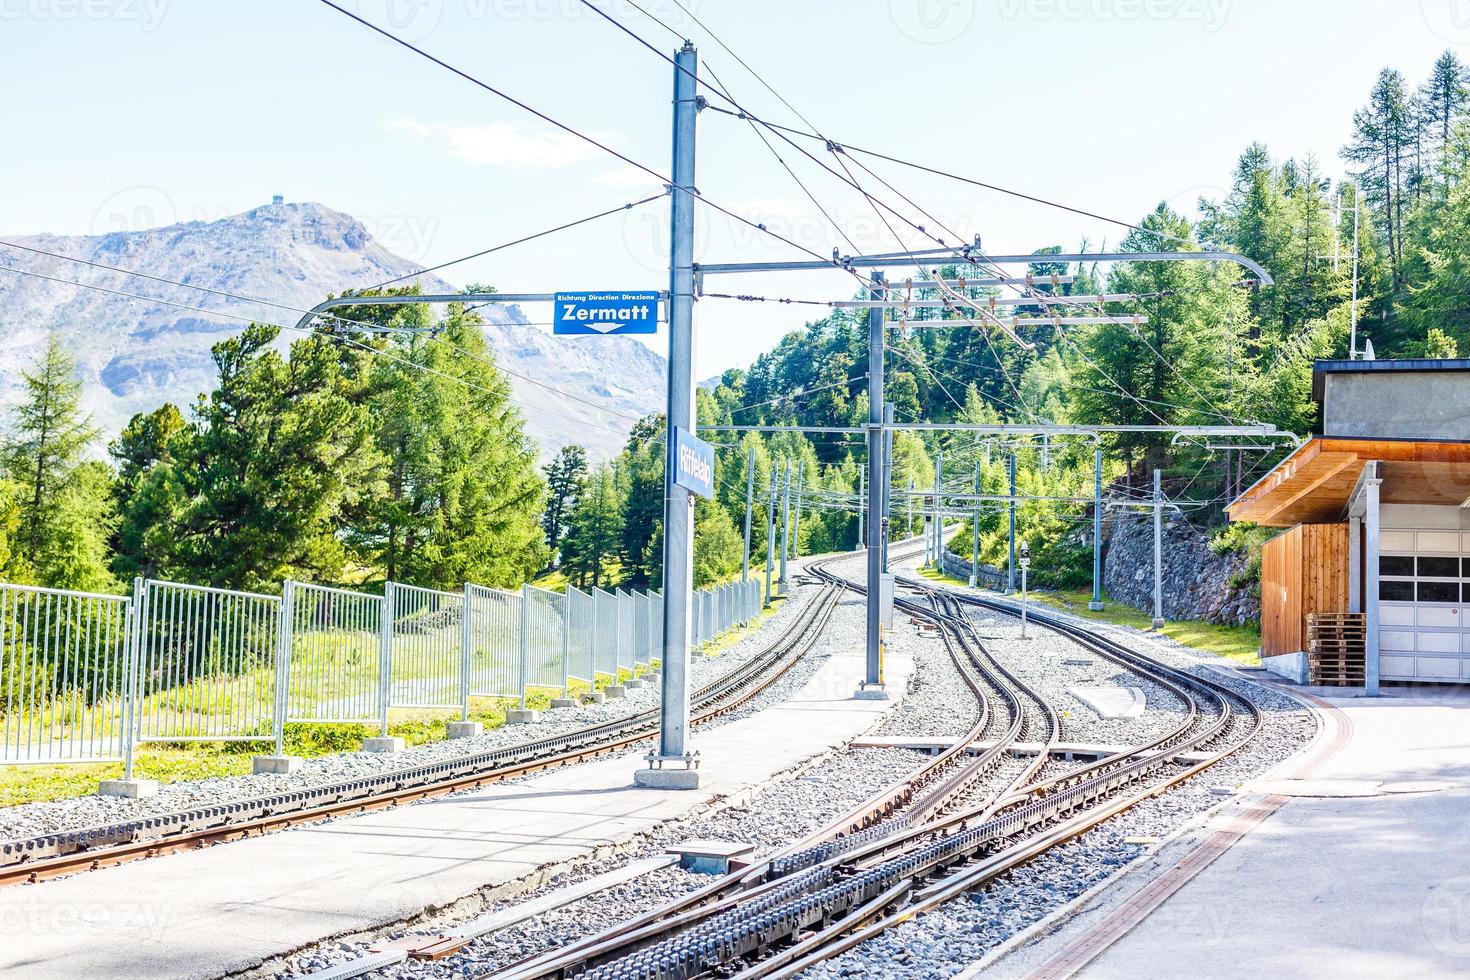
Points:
(463, 729)
(595, 697)
(870, 692)
(522, 716)
(129, 789)
(563, 703)
(634, 685)
(1158, 624)
(383, 744)
(276, 765)
(1095, 606)
(615, 691)
(667, 778)
(653, 676)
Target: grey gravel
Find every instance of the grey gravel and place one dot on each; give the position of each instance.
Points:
(954, 936)
(783, 812)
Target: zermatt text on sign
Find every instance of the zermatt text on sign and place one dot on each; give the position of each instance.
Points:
(606, 312)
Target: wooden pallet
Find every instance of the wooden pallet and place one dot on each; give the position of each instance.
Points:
(1336, 649)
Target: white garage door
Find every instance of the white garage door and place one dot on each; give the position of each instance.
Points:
(1424, 606)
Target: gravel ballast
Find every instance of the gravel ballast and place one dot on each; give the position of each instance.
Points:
(783, 812)
(956, 935)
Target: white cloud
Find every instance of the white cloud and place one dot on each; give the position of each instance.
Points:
(501, 144)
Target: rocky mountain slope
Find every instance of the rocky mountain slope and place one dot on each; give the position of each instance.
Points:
(134, 355)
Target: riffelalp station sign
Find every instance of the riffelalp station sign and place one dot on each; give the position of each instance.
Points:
(606, 312)
(694, 464)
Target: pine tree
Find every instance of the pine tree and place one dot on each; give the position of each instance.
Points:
(565, 477)
(594, 530)
(149, 492)
(640, 479)
(280, 449)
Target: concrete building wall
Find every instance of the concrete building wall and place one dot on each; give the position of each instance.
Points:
(1397, 405)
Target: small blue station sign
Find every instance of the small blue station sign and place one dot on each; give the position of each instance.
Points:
(694, 464)
(606, 312)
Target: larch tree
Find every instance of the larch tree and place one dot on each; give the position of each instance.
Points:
(565, 477)
(61, 501)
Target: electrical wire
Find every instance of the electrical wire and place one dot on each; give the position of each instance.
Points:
(520, 241)
(570, 130)
(242, 298)
(338, 338)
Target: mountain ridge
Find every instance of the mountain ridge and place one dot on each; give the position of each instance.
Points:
(133, 355)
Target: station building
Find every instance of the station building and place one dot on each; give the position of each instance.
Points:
(1375, 509)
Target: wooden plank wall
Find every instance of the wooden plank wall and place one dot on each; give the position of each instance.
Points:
(1303, 571)
(1281, 593)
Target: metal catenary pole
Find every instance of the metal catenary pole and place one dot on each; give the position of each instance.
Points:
(910, 528)
(796, 521)
(1158, 549)
(1011, 564)
(785, 521)
(749, 505)
(679, 502)
(975, 535)
(1096, 604)
(873, 502)
(939, 510)
(770, 534)
(886, 524)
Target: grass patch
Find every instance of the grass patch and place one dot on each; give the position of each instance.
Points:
(1239, 643)
(175, 762)
(944, 578)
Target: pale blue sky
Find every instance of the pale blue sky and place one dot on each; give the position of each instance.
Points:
(122, 112)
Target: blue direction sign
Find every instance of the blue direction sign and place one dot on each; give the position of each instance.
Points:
(694, 464)
(612, 311)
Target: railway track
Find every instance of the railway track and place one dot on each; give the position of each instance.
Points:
(924, 842)
(37, 858)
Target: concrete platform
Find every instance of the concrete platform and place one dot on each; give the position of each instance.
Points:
(1111, 701)
(1357, 868)
(227, 908)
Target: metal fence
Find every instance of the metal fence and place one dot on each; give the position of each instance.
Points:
(206, 663)
(86, 676)
(64, 668)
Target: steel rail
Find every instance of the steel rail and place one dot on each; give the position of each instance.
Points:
(865, 822)
(47, 856)
(851, 889)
